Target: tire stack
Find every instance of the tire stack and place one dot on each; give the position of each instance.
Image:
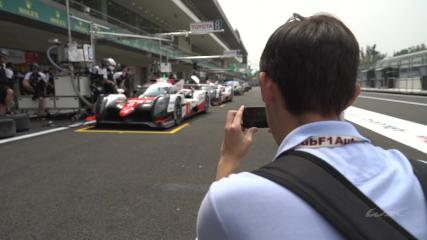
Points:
(11, 124)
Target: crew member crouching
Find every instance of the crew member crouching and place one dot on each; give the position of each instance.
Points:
(35, 82)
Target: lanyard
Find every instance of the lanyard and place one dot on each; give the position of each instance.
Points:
(328, 141)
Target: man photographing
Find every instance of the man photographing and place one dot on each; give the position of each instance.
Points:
(6, 92)
(307, 77)
(35, 82)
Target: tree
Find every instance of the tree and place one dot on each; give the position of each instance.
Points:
(370, 56)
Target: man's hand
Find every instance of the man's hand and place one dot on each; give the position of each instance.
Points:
(110, 82)
(235, 145)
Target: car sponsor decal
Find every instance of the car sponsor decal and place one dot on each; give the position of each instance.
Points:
(132, 103)
(188, 108)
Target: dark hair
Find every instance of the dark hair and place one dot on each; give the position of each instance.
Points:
(9, 65)
(35, 67)
(314, 60)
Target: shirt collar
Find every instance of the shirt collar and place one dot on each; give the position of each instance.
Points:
(322, 128)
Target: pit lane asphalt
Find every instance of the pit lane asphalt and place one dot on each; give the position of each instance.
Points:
(70, 185)
(402, 109)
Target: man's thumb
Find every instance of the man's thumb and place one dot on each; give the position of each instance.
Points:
(250, 133)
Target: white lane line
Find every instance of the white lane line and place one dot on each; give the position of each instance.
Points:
(395, 95)
(81, 124)
(394, 100)
(31, 135)
(409, 133)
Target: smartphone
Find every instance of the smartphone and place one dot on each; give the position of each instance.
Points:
(254, 117)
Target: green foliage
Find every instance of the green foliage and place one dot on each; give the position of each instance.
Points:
(412, 49)
(370, 56)
(254, 75)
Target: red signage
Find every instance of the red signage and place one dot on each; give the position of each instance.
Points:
(31, 57)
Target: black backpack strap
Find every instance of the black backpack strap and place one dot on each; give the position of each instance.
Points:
(353, 214)
(420, 170)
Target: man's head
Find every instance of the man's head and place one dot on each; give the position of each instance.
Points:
(9, 65)
(313, 63)
(109, 63)
(35, 67)
(3, 55)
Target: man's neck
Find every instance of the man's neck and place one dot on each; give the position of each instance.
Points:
(295, 121)
(314, 117)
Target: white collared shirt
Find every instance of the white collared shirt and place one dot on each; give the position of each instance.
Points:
(9, 73)
(247, 206)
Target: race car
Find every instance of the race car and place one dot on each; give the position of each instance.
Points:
(246, 86)
(237, 87)
(160, 105)
(223, 94)
(211, 89)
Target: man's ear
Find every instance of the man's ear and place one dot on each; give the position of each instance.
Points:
(266, 85)
(355, 95)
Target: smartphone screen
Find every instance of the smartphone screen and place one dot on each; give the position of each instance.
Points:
(254, 117)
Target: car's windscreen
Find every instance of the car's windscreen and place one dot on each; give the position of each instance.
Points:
(232, 83)
(152, 91)
(192, 86)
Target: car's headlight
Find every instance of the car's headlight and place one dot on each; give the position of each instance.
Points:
(147, 104)
(120, 103)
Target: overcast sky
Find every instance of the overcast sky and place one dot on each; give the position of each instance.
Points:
(391, 24)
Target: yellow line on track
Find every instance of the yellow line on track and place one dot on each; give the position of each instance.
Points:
(170, 132)
(222, 105)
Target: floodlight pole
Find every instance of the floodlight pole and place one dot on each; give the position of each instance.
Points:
(160, 54)
(92, 40)
(187, 33)
(205, 57)
(67, 3)
(133, 36)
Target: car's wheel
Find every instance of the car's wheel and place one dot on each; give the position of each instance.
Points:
(98, 105)
(98, 124)
(22, 121)
(7, 128)
(207, 104)
(98, 111)
(177, 113)
(220, 101)
(213, 100)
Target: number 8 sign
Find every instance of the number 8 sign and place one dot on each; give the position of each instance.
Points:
(217, 24)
